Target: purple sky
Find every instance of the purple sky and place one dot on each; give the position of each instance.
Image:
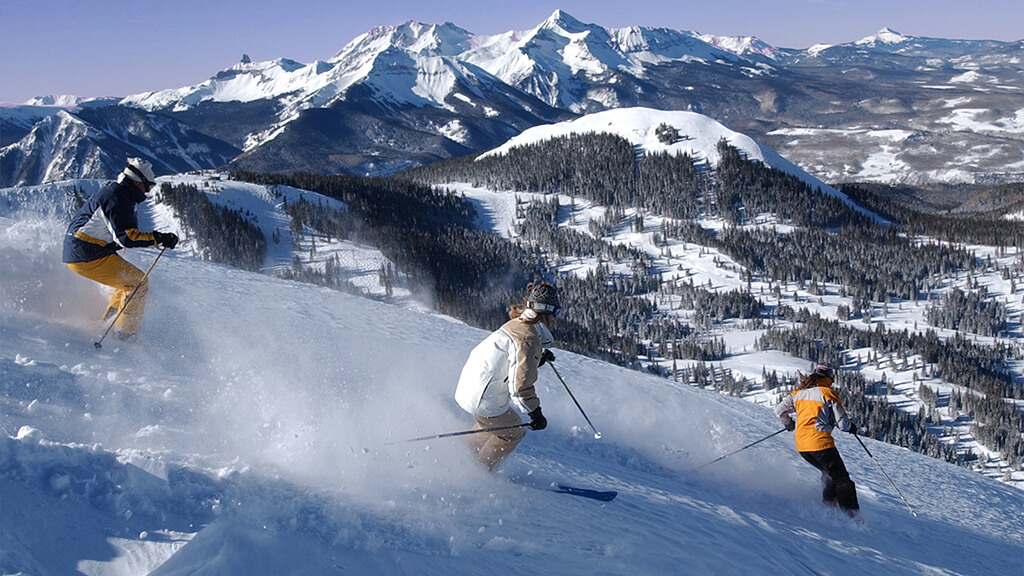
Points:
(118, 47)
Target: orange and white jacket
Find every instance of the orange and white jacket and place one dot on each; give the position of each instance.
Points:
(818, 411)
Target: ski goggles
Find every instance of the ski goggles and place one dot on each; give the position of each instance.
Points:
(547, 308)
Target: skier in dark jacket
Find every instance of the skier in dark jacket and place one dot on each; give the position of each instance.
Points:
(105, 224)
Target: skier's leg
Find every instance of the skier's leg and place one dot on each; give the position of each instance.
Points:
(828, 488)
(845, 489)
(123, 277)
(498, 445)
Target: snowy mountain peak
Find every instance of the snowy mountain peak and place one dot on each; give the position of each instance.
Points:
(562, 20)
(741, 45)
(434, 39)
(247, 65)
(62, 101)
(884, 36)
(699, 134)
(245, 81)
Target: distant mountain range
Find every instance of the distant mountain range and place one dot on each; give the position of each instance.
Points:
(887, 108)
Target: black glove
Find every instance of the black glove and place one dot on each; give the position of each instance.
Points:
(853, 427)
(166, 239)
(790, 426)
(537, 420)
(546, 356)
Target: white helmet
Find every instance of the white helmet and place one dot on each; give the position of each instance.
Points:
(138, 170)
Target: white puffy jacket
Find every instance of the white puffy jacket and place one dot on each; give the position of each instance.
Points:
(503, 369)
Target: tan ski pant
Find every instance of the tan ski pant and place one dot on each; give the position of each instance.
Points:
(492, 447)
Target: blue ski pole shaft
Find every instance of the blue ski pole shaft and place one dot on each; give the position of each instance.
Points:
(464, 432)
(741, 449)
(596, 433)
(870, 455)
(99, 343)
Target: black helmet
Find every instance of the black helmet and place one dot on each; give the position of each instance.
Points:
(825, 371)
(543, 298)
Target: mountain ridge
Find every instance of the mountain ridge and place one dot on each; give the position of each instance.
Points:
(427, 91)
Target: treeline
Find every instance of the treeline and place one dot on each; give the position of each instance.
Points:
(745, 189)
(539, 225)
(474, 275)
(870, 263)
(615, 316)
(975, 312)
(986, 226)
(607, 170)
(878, 419)
(602, 168)
(876, 263)
(427, 233)
(222, 235)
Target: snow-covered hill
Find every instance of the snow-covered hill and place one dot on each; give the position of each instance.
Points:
(699, 136)
(259, 427)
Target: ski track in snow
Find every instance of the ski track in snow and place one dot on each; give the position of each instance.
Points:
(248, 433)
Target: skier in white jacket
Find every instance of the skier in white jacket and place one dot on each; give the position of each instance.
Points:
(502, 370)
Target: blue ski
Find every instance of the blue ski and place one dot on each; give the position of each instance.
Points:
(605, 495)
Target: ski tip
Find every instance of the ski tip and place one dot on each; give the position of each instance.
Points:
(603, 495)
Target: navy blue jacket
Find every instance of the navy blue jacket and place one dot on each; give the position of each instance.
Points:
(106, 223)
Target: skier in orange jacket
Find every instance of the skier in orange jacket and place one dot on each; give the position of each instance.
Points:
(818, 411)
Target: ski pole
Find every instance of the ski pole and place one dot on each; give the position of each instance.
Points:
(596, 433)
(741, 449)
(884, 474)
(464, 432)
(99, 343)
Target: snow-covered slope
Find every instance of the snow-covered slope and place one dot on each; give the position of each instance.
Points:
(259, 427)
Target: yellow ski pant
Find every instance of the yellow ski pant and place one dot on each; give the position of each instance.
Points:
(123, 277)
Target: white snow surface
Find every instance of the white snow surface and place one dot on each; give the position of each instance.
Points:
(259, 426)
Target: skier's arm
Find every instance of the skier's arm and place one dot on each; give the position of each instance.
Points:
(522, 382)
(842, 419)
(125, 226)
(783, 410)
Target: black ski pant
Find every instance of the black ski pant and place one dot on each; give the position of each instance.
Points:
(835, 480)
